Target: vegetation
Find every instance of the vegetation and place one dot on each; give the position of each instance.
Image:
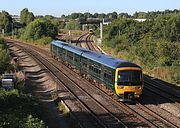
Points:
(40, 28)
(26, 16)
(86, 15)
(72, 25)
(5, 22)
(18, 111)
(154, 44)
(33, 29)
(16, 108)
(4, 57)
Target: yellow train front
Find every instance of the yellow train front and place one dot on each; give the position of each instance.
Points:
(91, 32)
(129, 82)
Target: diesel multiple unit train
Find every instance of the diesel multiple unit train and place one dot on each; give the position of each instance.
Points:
(123, 77)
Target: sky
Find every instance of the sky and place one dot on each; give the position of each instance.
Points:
(59, 7)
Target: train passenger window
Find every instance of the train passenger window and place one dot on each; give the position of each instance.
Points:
(75, 59)
(64, 52)
(85, 64)
(90, 67)
(94, 69)
(107, 75)
(98, 71)
(70, 56)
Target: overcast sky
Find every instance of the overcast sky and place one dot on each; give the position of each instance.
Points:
(59, 7)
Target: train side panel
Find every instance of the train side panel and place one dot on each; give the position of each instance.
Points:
(98, 72)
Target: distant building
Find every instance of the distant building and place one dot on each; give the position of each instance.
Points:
(106, 21)
(8, 81)
(140, 20)
(16, 18)
(16, 21)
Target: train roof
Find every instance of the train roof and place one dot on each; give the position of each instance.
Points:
(106, 60)
(59, 43)
(72, 48)
(75, 49)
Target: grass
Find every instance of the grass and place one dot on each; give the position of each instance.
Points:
(63, 108)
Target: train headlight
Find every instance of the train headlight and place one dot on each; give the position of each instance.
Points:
(120, 87)
(138, 87)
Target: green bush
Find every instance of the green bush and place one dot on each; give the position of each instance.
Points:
(72, 25)
(4, 57)
(40, 28)
(44, 40)
(18, 111)
(153, 43)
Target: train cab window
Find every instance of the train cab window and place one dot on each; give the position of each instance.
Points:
(133, 77)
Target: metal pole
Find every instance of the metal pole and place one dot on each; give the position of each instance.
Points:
(12, 29)
(101, 30)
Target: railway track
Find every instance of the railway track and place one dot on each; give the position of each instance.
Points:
(116, 111)
(80, 39)
(101, 117)
(154, 117)
(173, 98)
(153, 86)
(91, 45)
(174, 94)
(88, 42)
(150, 120)
(81, 112)
(169, 97)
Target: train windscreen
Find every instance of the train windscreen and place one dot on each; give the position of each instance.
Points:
(129, 77)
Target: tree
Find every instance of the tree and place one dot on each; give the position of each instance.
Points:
(74, 15)
(30, 17)
(63, 16)
(4, 57)
(112, 15)
(23, 16)
(123, 15)
(87, 15)
(26, 17)
(5, 21)
(73, 25)
(40, 28)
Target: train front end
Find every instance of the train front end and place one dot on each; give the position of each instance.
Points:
(129, 83)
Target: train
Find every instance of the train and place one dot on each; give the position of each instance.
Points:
(91, 32)
(124, 78)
